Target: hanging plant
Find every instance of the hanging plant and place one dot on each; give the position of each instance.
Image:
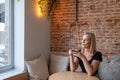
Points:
(42, 5)
(47, 6)
(51, 7)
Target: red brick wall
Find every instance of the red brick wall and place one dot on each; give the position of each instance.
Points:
(102, 17)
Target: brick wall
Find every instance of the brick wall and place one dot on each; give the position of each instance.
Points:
(102, 17)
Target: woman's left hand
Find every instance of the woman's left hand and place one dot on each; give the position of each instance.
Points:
(79, 54)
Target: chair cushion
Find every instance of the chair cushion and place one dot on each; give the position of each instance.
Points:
(58, 63)
(109, 68)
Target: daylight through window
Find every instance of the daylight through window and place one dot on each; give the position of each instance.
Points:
(6, 35)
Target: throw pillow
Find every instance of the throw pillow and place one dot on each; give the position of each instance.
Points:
(37, 69)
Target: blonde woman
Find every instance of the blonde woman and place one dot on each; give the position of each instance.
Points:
(88, 58)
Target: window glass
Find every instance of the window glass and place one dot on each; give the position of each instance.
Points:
(6, 35)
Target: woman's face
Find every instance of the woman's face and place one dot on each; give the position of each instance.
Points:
(86, 41)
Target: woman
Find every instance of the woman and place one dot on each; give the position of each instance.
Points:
(88, 58)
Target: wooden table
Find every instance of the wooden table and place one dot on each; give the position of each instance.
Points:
(67, 75)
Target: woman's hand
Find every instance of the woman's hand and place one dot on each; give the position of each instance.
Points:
(71, 52)
(79, 54)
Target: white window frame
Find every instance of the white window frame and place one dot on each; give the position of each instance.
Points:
(11, 38)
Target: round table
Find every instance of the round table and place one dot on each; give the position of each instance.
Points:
(67, 75)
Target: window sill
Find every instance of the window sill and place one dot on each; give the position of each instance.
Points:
(10, 73)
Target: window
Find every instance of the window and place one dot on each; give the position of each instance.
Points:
(6, 35)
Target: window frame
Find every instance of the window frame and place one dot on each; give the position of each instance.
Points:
(11, 37)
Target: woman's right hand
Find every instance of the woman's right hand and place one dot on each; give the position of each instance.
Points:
(70, 52)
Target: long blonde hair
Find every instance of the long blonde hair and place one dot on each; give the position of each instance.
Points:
(92, 42)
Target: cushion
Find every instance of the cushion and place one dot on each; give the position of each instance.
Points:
(37, 69)
(58, 63)
(109, 68)
(79, 69)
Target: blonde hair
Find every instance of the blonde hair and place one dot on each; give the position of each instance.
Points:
(92, 41)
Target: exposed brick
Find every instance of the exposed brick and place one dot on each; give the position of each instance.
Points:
(102, 17)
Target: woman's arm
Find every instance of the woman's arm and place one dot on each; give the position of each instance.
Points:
(73, 62)
(91, 68)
